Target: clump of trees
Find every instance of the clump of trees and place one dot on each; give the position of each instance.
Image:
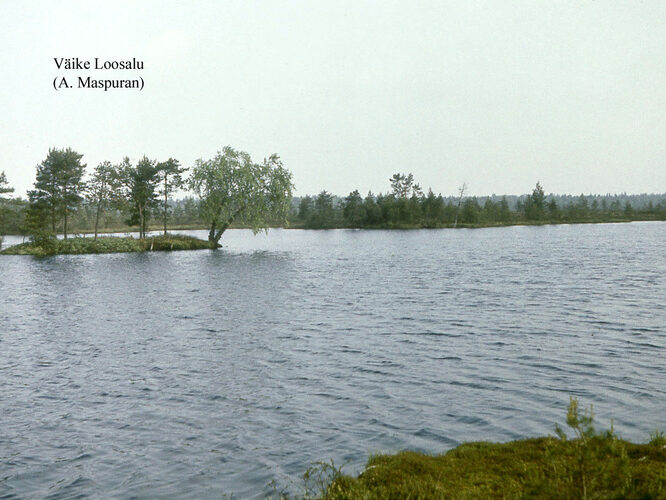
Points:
(58, 189)
(406, 206)
(103, 189)
(4, 210)
(231, 189)
(139, 191)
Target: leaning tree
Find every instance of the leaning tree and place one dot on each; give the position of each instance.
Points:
(234, 189)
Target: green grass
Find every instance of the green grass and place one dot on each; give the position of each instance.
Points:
(590, 465)
(109, 244)
(533, 468)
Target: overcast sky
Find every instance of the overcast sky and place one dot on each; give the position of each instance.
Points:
(497, 94)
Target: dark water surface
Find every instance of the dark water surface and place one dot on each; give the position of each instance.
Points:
(195, 374)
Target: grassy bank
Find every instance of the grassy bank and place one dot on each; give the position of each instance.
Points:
(51, 246)
(589, 465)
(533, 468)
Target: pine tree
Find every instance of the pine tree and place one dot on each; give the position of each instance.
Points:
(4, 185)
(102, 189)
(58, 186)
(140, 185)
(170, 178)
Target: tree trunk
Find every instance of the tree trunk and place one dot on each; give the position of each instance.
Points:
(218, 233)
(166, 192)
(141, 233)
(215, 234)
(99, 206)
(64, 229)
(462, 190)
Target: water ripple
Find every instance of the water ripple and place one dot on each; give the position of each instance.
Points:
(198, 374)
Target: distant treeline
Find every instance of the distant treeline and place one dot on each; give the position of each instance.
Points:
(404, 206)
(397, 210)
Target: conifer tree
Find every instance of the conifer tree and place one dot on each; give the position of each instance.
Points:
(102, 189)
(4, 185)
(58, 186)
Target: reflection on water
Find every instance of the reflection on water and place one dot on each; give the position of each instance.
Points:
(201, 373)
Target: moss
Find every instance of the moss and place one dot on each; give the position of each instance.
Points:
(109, 244)
(594, 464)
(534, 468)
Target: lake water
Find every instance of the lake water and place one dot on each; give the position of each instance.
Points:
(196, 374)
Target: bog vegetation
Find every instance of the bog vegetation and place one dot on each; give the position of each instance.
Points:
(231, 190)
(587, 464)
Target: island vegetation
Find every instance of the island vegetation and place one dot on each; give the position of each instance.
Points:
(230, 190)
(588, 464)
(47, 245)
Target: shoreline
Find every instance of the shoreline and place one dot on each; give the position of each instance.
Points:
(107, 244)
(298, 225)
(592, 466)
(80, 242)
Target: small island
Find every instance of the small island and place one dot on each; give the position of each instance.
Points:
(232, 189)
(42, 247)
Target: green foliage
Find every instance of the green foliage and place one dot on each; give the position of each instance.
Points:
(5, 210)
(324, 214)
(353, 210)
(140, 186)
(403, 186)
(319, 478)
(534, 206)
(59, 186)
(170, 179)
(47, 244)
(588, 466)
(399, 210)
(4, 185)
(36, 221)
(103, 188)
(235, 192)
(233, 188)
(305, 208)
(591, 465)
(471, 211)
(657, 438)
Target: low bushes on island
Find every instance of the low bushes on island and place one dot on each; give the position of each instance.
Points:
(592, 464)
(48, 245)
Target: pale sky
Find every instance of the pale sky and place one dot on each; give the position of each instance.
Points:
(497, 94)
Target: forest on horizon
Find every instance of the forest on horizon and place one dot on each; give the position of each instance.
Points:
(404, 205)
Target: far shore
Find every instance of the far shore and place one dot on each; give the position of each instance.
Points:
(81, 242)
(398, 226)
